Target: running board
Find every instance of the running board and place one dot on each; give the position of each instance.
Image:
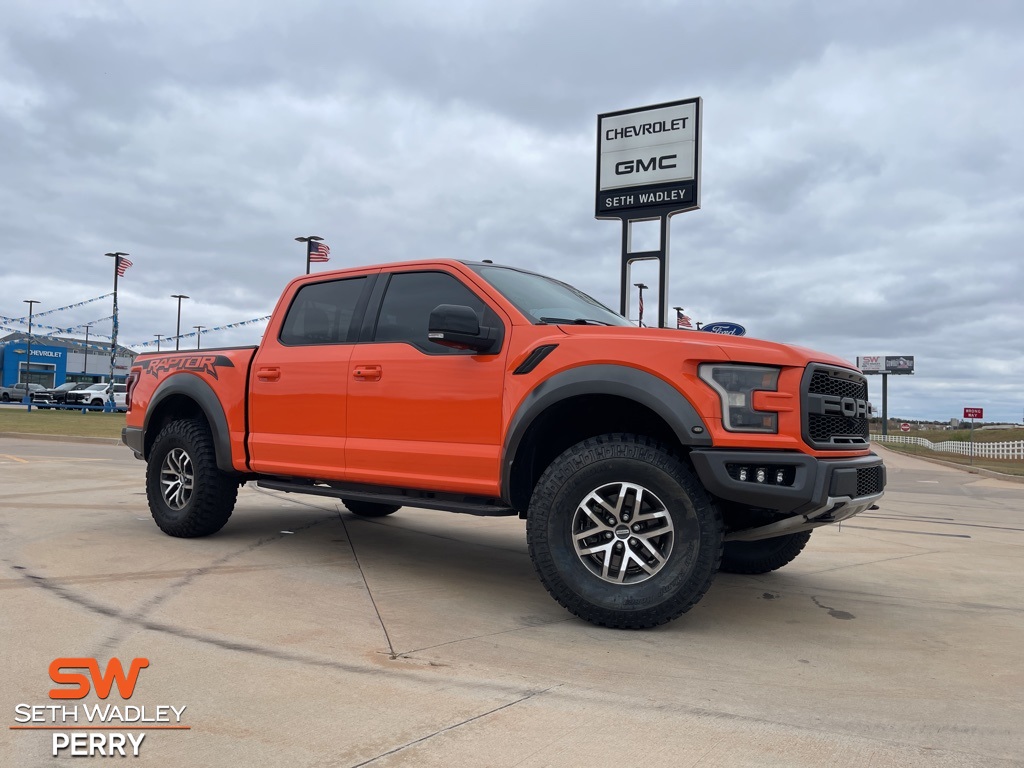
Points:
(433, 501)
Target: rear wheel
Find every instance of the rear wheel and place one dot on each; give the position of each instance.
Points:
(369, 508)
(764, 555)
(188, 495)
(622, 534)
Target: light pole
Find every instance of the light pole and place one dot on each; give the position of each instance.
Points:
(28, 352)
(199, 334)
(85, 369)
(307, 240)
(641, 286)
(177, 331)
(158, 337)
(120, 265)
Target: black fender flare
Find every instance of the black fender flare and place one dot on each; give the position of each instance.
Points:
(604, 379)
(202, 394)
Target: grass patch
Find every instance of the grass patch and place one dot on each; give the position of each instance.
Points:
(1005, 466)
(61, 422)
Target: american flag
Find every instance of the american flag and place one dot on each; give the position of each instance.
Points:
(122, 265)
(319, 251)
(682, 321)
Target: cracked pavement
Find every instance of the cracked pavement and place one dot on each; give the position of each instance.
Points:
(302, 635)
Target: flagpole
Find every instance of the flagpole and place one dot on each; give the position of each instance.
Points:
(113, 336)
(28, 355)
(641, 286)
(308, 240)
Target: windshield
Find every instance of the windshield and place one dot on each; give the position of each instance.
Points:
(545, 300)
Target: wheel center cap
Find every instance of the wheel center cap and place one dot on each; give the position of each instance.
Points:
(622, 532)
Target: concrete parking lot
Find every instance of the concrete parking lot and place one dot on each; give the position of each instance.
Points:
(301, 635)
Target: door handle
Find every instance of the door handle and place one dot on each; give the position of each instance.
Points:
(268, 374)
(366, 373)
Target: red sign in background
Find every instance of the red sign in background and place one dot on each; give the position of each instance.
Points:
(974, 413)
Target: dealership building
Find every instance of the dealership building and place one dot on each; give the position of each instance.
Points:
(58, 360)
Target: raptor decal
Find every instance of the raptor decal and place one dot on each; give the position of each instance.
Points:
(196, 363)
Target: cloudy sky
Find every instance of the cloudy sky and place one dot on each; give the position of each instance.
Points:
(862, 190)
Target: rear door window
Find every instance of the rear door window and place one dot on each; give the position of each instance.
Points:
(322, 313)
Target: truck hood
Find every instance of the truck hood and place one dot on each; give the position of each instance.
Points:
(713, 346)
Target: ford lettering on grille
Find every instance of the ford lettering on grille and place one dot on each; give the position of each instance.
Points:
(851, 407)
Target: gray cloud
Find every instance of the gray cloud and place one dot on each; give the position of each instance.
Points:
(861, 164)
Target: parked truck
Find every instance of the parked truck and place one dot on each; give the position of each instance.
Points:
(16, 393)
(643, 460)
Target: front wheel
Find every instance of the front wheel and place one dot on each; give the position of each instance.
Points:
(188, 495)
(763, 555)
(622, 534)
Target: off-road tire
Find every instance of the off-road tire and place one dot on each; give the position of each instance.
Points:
(560, 504)
(369, 508)
(184, 449)
(763, 555)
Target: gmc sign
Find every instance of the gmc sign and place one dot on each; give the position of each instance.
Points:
(649, 158)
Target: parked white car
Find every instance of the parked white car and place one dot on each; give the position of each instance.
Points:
(97, 395)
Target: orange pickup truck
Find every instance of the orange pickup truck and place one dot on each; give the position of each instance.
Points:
(643, 460)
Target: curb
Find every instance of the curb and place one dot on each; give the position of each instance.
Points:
(63, 438)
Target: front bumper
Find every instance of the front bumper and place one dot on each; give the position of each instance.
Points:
(817, 491)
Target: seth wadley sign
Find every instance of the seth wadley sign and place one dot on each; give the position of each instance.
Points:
(646, 157)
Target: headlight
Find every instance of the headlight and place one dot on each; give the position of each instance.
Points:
(735, 385)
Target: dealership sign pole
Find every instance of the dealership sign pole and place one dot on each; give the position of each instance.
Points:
(648, 169)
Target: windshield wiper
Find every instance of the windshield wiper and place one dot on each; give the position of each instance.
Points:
(567, 321)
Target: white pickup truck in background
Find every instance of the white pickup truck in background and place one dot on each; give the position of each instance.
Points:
(98, 394)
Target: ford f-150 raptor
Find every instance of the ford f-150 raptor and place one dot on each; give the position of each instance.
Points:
(643, 460)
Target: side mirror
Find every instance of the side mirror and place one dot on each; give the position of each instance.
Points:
(457, 327)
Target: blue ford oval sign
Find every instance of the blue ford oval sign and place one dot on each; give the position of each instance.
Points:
(729, 329)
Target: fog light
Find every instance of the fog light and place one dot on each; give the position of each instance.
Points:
(760, 474)
(780, 477)
(743, 474)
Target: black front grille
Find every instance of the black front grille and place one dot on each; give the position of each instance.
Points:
(823, 429)
(870, 480)
(824, 384)
(836, 408)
